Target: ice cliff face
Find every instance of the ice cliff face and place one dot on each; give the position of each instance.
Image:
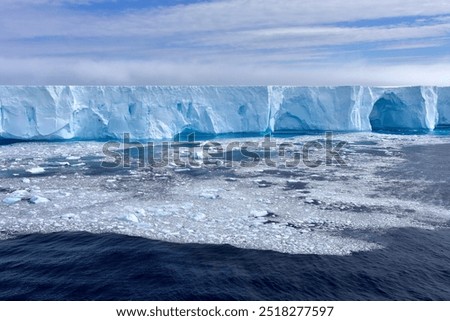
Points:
(321, 108)
(144, 112)
(75, 112)
(443, 106)
(405, 109)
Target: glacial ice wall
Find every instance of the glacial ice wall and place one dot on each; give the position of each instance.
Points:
(54, 112)
(321, 108)
(443, 107)
(413, 108)
(153, 112)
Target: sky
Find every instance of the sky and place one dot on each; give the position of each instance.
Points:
(225, 42)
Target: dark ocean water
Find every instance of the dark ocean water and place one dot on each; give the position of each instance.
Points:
(414, 265)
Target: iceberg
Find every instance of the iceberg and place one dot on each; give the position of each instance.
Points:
(162, 112)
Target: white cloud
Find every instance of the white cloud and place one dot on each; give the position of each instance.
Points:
(89, 72)
(237, 41)
(219, 16)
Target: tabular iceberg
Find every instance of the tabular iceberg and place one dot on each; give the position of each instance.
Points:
(155, 112)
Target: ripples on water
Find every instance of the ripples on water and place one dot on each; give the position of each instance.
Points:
(82, 266)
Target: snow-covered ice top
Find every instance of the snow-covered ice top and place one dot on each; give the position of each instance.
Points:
(154, 112)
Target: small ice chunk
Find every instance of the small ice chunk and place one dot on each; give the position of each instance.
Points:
(78, 164)
(11, 200)
(20, 193)
(38, 200)
(129, 218)
(312, 201)
(258, 213)
(73, 158)
(26, 180)
(158, 211)
(198, 216)
(209, 195)
(187, 205)
(36, 170)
